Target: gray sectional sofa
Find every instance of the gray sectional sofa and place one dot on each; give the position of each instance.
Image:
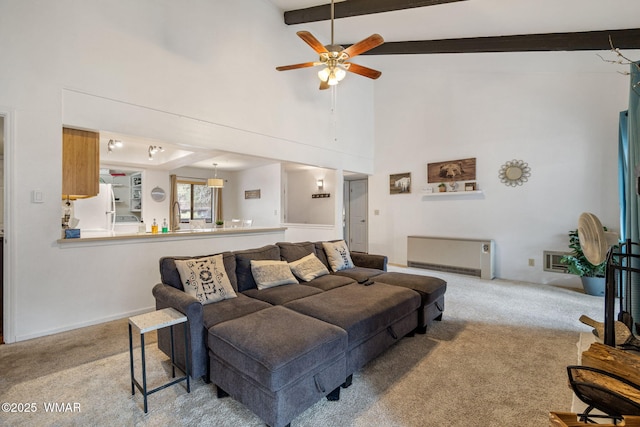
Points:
(280, 348)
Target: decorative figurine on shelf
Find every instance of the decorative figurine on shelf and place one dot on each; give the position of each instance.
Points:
(442, 187)
(453, 185)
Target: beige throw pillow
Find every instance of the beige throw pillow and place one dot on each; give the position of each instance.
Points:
(338, 255)
(205, 279)
(269, 274)
(308, 268)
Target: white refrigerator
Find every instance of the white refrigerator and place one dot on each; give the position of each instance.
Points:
(96, 213)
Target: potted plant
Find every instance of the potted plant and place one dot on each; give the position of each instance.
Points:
(442, 188)
(592, 276)
(219, 223)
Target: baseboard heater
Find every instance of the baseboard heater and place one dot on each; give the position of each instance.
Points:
(463, 256)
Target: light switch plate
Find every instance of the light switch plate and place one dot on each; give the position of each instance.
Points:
(37, 196)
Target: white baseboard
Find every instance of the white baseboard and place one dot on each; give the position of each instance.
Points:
(83, 324)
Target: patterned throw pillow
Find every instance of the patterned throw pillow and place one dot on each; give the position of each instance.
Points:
(338, 255)
(205, 279)
(308, 268)
(269, 274)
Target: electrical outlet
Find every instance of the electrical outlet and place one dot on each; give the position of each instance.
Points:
(532, 262)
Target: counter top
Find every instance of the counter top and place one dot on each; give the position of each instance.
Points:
(108, 236)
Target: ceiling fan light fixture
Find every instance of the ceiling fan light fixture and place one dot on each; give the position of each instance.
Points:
(332, 76)
(333, 57)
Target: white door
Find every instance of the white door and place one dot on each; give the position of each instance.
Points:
(358, 228)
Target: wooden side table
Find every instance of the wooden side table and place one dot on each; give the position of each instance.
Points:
(167, 317)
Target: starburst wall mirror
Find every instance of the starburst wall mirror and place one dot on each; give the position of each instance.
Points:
(514, 173)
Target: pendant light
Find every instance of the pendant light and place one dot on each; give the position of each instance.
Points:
(215, 182)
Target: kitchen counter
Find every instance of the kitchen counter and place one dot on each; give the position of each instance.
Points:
(108, 236)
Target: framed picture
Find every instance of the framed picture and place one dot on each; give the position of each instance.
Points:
(469, 186)
(252, 194)
(452, 170)
(400, 183)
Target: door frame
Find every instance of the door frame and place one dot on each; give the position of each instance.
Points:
(8, 321)
(347, 208)
(346, 212)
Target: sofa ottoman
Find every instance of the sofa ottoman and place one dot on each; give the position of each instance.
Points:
(277, 362)
(374, 316)
(431, 290)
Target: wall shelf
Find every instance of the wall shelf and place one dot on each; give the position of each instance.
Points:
(453, 193)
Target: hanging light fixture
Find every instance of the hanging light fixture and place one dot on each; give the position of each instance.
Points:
(215, 182)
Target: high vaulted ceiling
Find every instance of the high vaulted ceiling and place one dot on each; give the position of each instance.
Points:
(456, 19)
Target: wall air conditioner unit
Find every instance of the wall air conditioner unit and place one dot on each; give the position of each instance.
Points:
(552, 261)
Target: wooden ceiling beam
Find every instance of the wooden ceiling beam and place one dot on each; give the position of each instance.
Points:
(588, 40)
(350, 8)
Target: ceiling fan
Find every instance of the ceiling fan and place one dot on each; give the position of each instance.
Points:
(334, 57)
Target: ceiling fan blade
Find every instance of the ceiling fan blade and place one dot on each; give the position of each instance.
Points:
(324, 84)
(296, 66)
(312, 41)
(362, 70)
(362, 46)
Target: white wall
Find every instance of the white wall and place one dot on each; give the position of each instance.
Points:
(265, 211)
(302, 208)
(150, 208)
(559, 119)
(195, 73)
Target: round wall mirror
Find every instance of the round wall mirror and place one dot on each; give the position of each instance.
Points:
(158, 194)
(514, 172)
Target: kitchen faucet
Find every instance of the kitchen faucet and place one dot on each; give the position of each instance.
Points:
(175, 216)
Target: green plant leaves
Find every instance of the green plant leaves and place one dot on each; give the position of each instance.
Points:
(577, 263)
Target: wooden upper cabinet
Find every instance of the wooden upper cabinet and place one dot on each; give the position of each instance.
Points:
(80, 163)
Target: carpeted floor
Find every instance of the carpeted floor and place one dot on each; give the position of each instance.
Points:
(497, 359)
